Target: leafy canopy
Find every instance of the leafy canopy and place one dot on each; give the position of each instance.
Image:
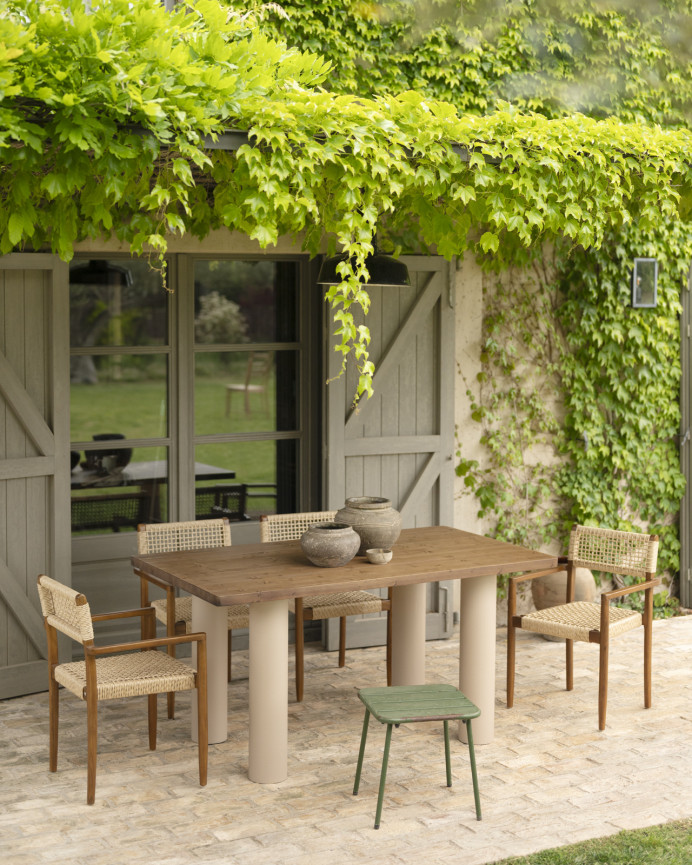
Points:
(103, 118)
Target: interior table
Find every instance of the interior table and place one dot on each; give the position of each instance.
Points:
(141, 473)
(267, 575)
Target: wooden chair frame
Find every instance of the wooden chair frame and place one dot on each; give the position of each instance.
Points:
(601, 635)
(176, 627)
(292, 527)
(91, 653)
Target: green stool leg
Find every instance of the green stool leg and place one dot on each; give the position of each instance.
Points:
(363, 737)
(472, 758)
(448, 762)
(383, 775)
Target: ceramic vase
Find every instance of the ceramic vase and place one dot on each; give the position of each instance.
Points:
(330, 545)
(378, 524)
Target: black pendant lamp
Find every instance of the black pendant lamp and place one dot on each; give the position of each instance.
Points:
(384, 270)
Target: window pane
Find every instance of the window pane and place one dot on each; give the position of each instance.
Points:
(246, 391)
(127, 395)
(265, 479)
(114, 488)
(240, 302)
(118, 302)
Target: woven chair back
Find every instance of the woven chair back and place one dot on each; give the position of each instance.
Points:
(290, 527)
(65, 609)
(193, 535)
(626, 553)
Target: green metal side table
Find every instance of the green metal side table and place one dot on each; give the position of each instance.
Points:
(406, 704)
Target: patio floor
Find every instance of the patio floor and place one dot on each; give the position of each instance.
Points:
(549, 778)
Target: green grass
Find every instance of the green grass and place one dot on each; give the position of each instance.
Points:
(669, 844)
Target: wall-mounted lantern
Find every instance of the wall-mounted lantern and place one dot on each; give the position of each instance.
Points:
(645, 283)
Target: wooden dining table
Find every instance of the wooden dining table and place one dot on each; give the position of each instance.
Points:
(267, 575)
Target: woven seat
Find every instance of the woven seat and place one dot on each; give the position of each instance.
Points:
(238, 614)
(176, 613)
(407, 704)
(290, 527)
(608, 551)
(105, 674)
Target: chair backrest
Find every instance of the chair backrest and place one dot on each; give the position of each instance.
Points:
(221, 500)
(259, 364)
(193, 535)
(290, 527)
(629, 553)
(65, 609)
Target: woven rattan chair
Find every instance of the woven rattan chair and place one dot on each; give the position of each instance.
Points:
(289, 527)
(612, 552)
(176, 613)
(105, 673)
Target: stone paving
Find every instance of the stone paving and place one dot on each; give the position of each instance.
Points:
(549, 778)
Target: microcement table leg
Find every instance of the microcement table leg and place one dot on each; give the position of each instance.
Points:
(214, 622)
(408, 634)
(268, 759)
(477, 635)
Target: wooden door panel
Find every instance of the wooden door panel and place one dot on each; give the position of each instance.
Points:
(34, 482)
(399, 444)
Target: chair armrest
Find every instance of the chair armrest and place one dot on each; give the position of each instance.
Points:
(156, 581)
(606, 597)
(157, 643)
(142, 612)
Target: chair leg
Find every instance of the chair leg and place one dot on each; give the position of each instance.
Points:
(152, 721)
(342, 641)
(54, 714)
(569, 661)
(511, 641)
(648, 618)
(389, 643)
(602, 685)
(363, 738)
(92, 737)
(299, 649)
(202, 712)
(448, 759)
(383, 775)
(230, 646)
(474, 774)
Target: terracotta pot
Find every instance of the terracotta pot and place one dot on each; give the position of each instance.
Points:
(375, 520)
(329, 545)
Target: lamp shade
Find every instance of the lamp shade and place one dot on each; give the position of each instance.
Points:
(383, 269)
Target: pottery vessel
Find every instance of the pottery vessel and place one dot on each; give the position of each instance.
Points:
(375, 520)
(379, 556)
(329, 545)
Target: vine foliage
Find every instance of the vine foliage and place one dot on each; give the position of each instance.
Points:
(105, 116)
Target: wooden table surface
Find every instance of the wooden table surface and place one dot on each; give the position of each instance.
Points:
(265, 572)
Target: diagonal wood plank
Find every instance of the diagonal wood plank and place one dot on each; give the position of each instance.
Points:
(421, 487)
(391, 357)
(24, 408)
(22, 609)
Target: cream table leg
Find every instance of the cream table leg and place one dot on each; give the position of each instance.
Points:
(268, 759)
(214, 622)
(408, 635)
(477, 635)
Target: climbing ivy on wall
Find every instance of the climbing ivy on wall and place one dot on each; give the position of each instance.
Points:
(578, 394)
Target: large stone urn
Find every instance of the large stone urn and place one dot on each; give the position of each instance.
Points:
(330, 545)
(376, 521)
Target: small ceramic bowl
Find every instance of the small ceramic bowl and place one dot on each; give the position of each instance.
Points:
(379, 556)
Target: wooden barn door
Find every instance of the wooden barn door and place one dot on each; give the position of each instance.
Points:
(400, 443)
(34, 458)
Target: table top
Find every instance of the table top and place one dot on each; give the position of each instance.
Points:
(142, 472)
(249, 573)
